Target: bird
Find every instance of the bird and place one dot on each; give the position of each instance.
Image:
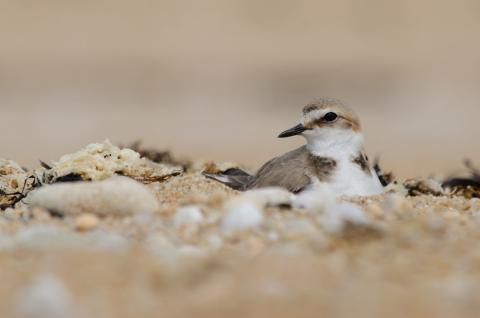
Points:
(333, 156)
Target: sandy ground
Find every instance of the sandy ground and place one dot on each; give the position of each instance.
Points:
(401, 256)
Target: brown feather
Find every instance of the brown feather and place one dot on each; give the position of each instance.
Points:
(292, 171)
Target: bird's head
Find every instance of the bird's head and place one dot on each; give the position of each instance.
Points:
(328, 122)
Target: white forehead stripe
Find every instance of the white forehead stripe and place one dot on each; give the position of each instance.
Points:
(314, 115)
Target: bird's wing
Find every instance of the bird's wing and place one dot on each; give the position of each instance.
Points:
(234, 178)
(287, 171)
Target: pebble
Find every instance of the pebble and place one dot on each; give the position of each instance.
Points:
(115, 196)
(188, 215)
(242, 216)
(86, 222)
(47, 296)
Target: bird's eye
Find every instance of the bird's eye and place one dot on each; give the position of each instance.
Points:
(330, 116)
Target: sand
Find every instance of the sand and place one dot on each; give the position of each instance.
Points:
(385, 256)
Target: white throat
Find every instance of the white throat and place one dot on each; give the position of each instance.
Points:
(334, 143)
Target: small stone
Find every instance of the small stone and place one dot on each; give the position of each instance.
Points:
(86, 222)
(242, 216)
(188, 215)
(115, 196)
(47, 296)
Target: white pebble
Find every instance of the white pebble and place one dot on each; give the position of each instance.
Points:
(242, 216)
(47, 296)
(114, 196)
(188, 215)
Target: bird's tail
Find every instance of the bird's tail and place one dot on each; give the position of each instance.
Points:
(234, 178)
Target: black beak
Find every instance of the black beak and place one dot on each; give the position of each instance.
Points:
(297, 130)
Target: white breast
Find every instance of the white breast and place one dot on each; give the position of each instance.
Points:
(349, 179)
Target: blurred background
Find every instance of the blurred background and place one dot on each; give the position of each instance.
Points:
(219, 79)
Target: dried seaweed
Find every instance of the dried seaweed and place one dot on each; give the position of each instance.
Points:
(71, 177)
(16, 197)
(159, 156)
(468, 187)
(421, 186)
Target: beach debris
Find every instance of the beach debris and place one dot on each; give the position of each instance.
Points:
(159, 156)
(100, 161)
(219, 168)
(396, 187)
(13, 182)
(468, 187)
(423, 186)
(12, 176)
(114, 196)
(95, 162)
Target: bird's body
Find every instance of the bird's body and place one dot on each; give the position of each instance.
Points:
(333, 156)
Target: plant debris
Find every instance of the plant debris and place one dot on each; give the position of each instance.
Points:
(422, 186)
(13, 181)
(468, 187)
(159, 156)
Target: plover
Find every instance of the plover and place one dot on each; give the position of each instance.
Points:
(334, 156)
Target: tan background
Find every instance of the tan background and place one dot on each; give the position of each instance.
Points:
(220, 79)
